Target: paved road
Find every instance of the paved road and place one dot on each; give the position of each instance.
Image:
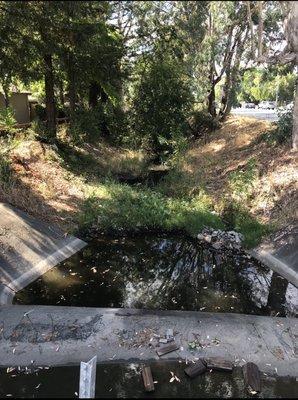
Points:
(67, 335)
(267, 115)
(28, 249)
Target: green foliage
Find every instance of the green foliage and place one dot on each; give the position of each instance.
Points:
(7, 118)
(121, 207)
(252, 230)
(201, 123)
(241, 182)
(283, 131)
(161, 104)
(267, 84)
(5, 171)
(236, 217)
(86, 125)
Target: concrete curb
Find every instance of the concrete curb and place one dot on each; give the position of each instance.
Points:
(276, 265)
(51, 335)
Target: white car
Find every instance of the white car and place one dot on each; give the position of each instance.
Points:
(268, 105)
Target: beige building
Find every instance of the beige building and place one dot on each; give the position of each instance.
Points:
(19, 102)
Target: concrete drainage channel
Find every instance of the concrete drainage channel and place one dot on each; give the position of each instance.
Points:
(38, 336)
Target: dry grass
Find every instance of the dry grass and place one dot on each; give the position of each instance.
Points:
(43, 186)
(54, 189)
(274, 194)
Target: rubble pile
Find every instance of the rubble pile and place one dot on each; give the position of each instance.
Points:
(219, 239)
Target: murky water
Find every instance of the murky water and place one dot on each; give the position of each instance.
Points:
(124, 380)
(162, 272)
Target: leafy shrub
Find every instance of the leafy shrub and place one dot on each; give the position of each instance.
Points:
(236, 217)
(201, 123)
(86, 125)
(5, 171)
(161, 104)
(116, 122)
(284, 129)
(7, 118)
(40, 112)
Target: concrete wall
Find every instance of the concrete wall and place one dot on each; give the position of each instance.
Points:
(20, 104)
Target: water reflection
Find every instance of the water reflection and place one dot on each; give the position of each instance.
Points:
(164, 272)
(124, 381)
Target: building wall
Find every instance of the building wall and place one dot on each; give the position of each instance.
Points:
(20, 104)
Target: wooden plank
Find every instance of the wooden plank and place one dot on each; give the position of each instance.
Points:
(147, 379)
(219, 364)
(252, 377)
(196, 369)
(167, 349)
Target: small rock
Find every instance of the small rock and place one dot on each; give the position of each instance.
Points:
(216, 245)
(207, 238)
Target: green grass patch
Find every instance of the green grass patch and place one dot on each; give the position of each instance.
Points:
(117, 207)
(252, 230)
(237, 218)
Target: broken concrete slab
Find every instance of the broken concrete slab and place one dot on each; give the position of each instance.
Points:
(28, 249)
(68, 335)
(280, 253)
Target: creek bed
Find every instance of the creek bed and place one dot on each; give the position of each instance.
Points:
(166, 272)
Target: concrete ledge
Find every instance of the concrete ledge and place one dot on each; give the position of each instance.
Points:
(67, 335)
(28, 249)
(276, 265)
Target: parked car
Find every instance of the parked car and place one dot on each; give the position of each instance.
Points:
(268, 105)
(248, 105)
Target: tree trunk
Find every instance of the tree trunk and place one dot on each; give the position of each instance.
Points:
(50, 97)
(61, 92)
(295, 120)
(291, 30)
(6, 96)
(71, 84)
(94, 92)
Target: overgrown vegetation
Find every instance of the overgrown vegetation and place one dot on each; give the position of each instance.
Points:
(115, 207)
(283, 132)
(140, 83)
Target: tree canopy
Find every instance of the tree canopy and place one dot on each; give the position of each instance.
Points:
(143, 67)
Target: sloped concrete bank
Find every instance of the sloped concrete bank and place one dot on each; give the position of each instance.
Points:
(28, 249)
(280, 253)
(46, 335)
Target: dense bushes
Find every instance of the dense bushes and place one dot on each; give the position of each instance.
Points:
(7, 118)
(161, 104)
(284, 128)
(202, 123)
(116, 207)
(283, 131)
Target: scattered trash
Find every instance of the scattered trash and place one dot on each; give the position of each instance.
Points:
(167, 349)
(219, 364)
(196, 369)
(252, 377)
(170, 334)
(174, 377)
(163, 340)
(147, 379)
